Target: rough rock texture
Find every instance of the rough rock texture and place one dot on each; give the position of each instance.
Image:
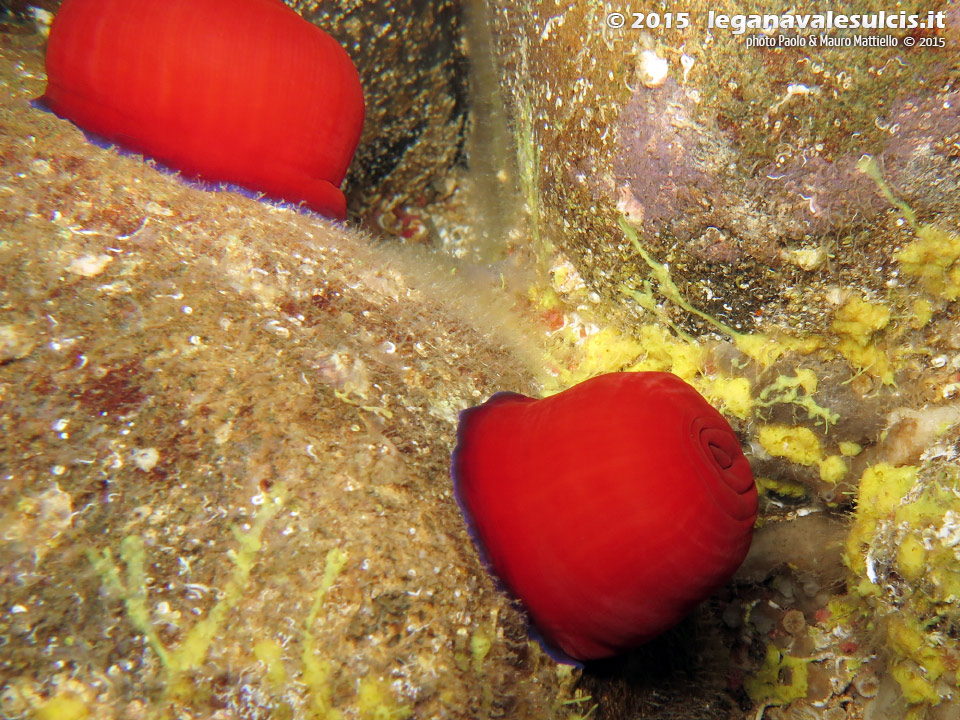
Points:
(737, 159)
(731, 197)
(228, 425)
(225, 459)
(413, 68)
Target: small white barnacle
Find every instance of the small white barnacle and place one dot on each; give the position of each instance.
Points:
(145, 458)
(88, 265)
(652, 70)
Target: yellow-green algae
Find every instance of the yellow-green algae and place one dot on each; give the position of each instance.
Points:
(528, 167)
(932, 257)
(783, 488)
(780, 680)
(480, 644)
(849, 449)
(374, 701)
(192, 651)
(317, 671)
(856, 323)
(797, 444)
(833, 469)
(270, 653)
(880, 490)
(62, 707)
(732, 395)
(902, 549)
(798, 390)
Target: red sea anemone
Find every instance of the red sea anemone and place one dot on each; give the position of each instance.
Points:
(238, 91)
(609, 510)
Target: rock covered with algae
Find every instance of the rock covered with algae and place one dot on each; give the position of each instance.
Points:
(780, 227)
(226, 439)
(739, 165)
(229, 424)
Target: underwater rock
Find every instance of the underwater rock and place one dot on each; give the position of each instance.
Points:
(742, 153)
(802, 203)
(225, 452)
(247, 413)
(810, 545)
(412, 64)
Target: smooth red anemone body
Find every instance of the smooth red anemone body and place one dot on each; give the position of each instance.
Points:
(238, 91)
(609, 510)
